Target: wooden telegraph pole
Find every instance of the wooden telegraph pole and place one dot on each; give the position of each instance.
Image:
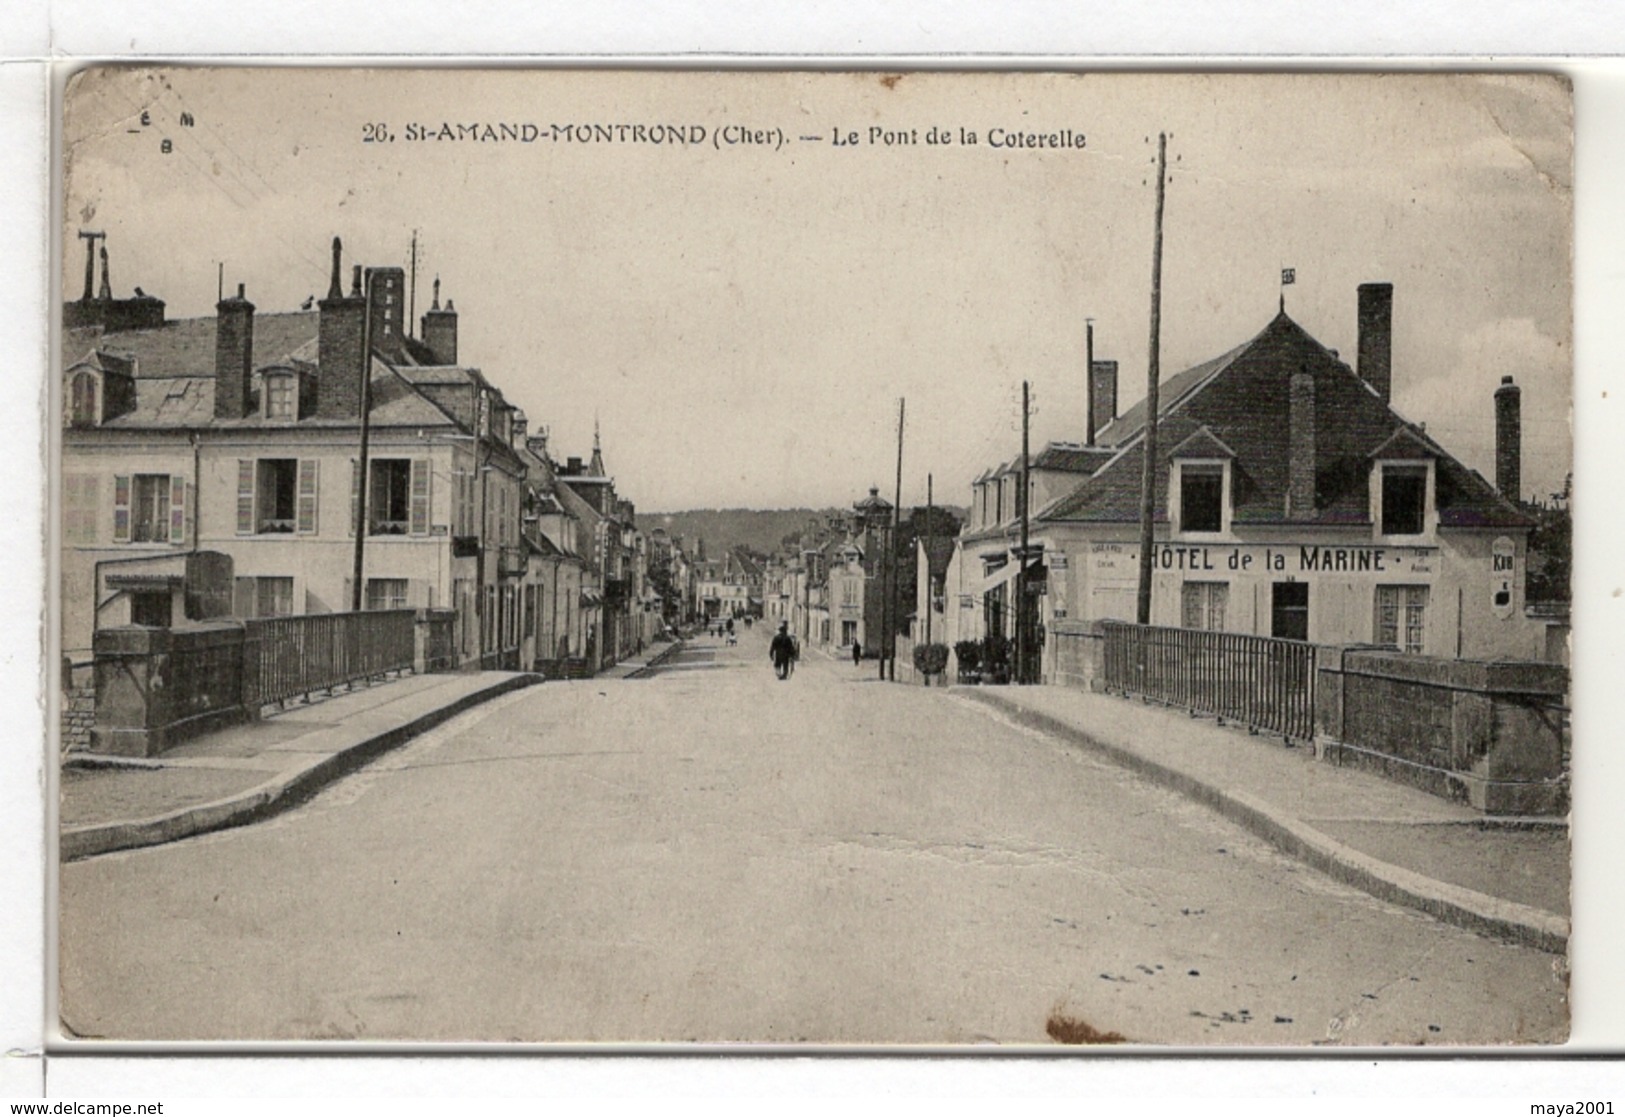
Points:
(1089, 381)
(366, 424)
(1149, 476)
(930, 518)
(1023, 652)
(896, 529)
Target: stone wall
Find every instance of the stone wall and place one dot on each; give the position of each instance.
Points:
(1487, 733)
(78, 714)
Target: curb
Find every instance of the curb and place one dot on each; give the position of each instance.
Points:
(656, 660)
(271, 797)
(1462, 907)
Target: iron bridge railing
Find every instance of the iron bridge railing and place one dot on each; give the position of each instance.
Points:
(287, 657)
(1265, 683)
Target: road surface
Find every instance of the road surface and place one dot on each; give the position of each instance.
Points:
(710, 854)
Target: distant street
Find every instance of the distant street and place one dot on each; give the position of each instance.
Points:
(712, 854)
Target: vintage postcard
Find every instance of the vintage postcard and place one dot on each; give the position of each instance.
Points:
(888, 559)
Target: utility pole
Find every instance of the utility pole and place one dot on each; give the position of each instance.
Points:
(1089, 380)
(1023, 652)
(1149, 477)
(930, 525)
(891, 550)
(366, 425)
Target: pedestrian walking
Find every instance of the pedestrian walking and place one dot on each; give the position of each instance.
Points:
(857, 653)
(783, 651)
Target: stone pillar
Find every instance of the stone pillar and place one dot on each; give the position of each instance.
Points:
(157, 686)
(132, 693)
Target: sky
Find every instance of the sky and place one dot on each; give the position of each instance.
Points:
(740, 320)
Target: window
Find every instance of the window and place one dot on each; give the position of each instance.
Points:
(276, 496)
(279, 397)
(1202, 605)
(149, 508)
(275, 597)
(1404, 499)
(82, 400)
(1401, 615)
(389, 496)
(397, 496)
(1201, 498)
(386, 593)
(1289, 612)
(262, 597)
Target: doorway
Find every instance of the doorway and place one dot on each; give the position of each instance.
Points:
(1289, 611)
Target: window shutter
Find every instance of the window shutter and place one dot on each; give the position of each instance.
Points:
(417, 593)
(306, 524)
(355, 496)
(243, 597)
(177, 509)
(420, 496)
(121, 508)
(245, 497)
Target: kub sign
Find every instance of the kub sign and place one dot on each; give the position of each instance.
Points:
(1503, 569)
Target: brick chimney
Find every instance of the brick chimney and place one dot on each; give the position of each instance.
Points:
(339, 360)
(388, 308)
(1105, 374)
(233, 356)
(1300, 490)
(1376, 344)
(1509, 439)
(440, 329)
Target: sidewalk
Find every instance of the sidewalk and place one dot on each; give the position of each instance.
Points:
(252, 770)
(1504, 877)
(244, 773)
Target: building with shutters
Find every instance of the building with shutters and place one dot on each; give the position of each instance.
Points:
(1290, 501)
(213, 467)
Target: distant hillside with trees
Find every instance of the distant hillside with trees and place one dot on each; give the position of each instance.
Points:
(759, 531)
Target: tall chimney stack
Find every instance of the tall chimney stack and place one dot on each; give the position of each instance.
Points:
(439, 331)
(1300, 492)
(1105, 377)
(233, 356)
(1509, 439)
(1376, 344)
(340, 364)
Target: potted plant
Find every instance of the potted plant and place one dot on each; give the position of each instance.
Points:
(968, 653)
(930, 659)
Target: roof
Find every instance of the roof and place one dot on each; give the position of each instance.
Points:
(1236, 406)
(874, 502)
(185, 402)
(1069, 457)
(185, 347)
(1170, 394)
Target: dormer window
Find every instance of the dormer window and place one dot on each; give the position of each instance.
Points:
(1201, 497)
(1199, 485)
(1404, 499)
(82, 400)
(281, 395)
